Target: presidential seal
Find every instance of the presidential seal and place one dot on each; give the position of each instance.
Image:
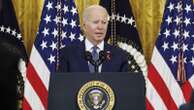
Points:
(95, 95)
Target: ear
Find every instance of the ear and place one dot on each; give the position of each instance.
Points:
(84, 26)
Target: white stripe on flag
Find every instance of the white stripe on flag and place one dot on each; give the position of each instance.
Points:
(153, 97)
(40, 67)
(32, 98)
(165, 73)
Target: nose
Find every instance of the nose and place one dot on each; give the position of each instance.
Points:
(101, 26)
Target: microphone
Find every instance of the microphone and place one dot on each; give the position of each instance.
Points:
(103, 56)
(88, 57)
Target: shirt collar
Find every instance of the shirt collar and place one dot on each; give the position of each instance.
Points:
(89, 45)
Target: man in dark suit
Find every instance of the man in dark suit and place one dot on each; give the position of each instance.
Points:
(94, 54)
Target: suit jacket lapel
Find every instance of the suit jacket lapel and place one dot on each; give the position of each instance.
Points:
(106, 64)
(81, 57)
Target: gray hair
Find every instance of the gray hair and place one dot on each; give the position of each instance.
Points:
(88, 10)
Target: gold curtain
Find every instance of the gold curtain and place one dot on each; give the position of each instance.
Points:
(148, 14)
(28, 13)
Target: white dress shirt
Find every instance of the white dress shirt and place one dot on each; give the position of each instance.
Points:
(89, 47)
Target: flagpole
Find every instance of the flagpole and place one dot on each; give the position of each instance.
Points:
(59, 29)
(113, 37)
(181, 75)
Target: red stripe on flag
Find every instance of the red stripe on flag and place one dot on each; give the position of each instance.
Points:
(148, 105)
(161, 88)
(25, 105)
(186, 89)
(37, 84)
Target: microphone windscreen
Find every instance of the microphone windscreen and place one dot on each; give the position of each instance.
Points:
(88, 55)
(102, 55)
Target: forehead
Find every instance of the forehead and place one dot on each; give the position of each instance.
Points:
(98, 13)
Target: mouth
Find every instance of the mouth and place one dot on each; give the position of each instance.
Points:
(99, 33)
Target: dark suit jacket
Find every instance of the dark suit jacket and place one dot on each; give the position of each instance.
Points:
(72, 59)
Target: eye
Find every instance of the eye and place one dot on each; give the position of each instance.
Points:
(95, 22)
(104, 22)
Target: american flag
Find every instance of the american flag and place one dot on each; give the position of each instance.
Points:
(171, 72)
(59, 27)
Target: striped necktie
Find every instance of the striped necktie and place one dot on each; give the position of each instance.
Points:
(95, 57)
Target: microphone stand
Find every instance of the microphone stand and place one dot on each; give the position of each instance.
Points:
(102, 58)
(97, 63)
(96, 67)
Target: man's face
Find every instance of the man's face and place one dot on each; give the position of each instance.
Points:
(96, 26)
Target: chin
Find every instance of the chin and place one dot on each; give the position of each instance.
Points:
(99, 40)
